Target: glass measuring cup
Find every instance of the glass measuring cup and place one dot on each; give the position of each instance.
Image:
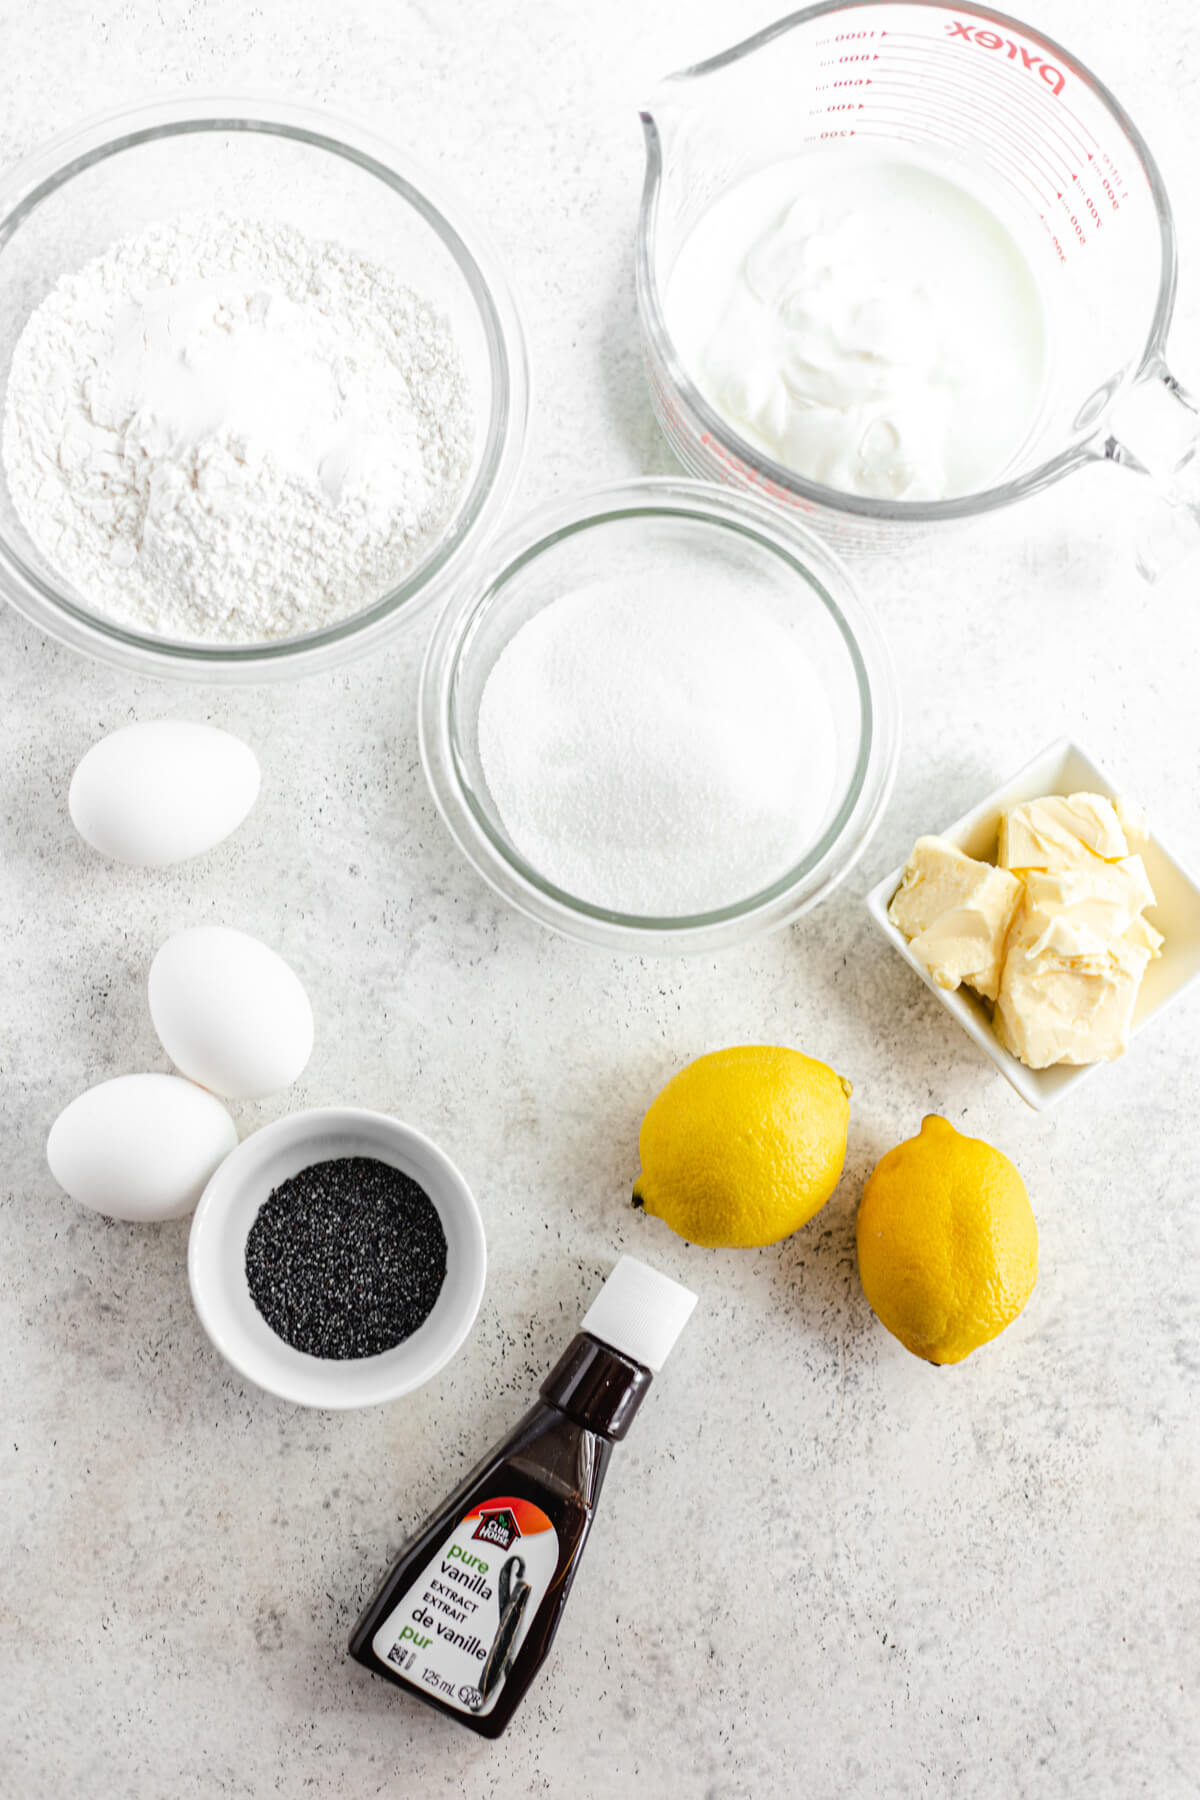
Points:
(1012, 116)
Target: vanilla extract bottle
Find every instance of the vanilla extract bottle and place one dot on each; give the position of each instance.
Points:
(466, 1614)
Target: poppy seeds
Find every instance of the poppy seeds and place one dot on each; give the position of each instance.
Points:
(346, 1259)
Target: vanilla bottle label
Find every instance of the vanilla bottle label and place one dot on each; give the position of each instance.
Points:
(463, 1618)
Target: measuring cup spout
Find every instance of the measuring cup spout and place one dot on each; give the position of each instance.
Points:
(1154, 428)
(663, 118)
(671, 175)
(653, 137)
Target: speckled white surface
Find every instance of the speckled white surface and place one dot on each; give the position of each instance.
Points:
(821, 1567)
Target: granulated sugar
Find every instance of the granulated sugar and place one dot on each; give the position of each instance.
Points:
(661, 752)
(221, 430)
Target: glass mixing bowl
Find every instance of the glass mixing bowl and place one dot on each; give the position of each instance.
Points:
(69, 201)
(615, 533)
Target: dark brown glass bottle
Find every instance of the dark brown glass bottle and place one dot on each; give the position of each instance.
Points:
(467, 1612)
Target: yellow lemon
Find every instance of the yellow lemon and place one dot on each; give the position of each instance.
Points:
(743, 1146)
(947, 1244)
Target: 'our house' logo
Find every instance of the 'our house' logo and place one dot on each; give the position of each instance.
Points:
(498, 1526)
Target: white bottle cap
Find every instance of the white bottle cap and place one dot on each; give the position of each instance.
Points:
(640, 1313)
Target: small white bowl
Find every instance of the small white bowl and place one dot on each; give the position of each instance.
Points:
(1063, 768)
(217, 1258)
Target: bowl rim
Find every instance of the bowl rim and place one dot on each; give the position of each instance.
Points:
(501, 866)
(1038, 1088)
(55, 163)
(222, 1195)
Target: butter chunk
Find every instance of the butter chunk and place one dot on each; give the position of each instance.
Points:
(1062, 1008)
(1141, 932)
(1083, 910)
(1134, 822)
(1063, 832)
(956, 913)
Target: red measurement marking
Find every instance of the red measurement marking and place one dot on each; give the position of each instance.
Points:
(1018, 54)
(1062, 255)
(1018, 173)
(1025, 176)
(1089, 202)
(1108, 162)
(949, 108)
(1021, 54)
(739, 472)
(1080, 227)
(1111, 193)
(1087, 131)
(1018, 97)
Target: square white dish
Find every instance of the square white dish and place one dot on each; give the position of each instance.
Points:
(1062, 768)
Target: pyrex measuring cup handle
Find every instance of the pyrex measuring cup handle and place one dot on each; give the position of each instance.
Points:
(1155, 427)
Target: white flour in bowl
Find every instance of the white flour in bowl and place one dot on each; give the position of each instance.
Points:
(222, 430)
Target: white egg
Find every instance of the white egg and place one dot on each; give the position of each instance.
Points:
(140, 1147)
(158, 793)
(229, 1012)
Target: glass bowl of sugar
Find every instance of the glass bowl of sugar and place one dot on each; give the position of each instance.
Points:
(664, 722)
(265, 389)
